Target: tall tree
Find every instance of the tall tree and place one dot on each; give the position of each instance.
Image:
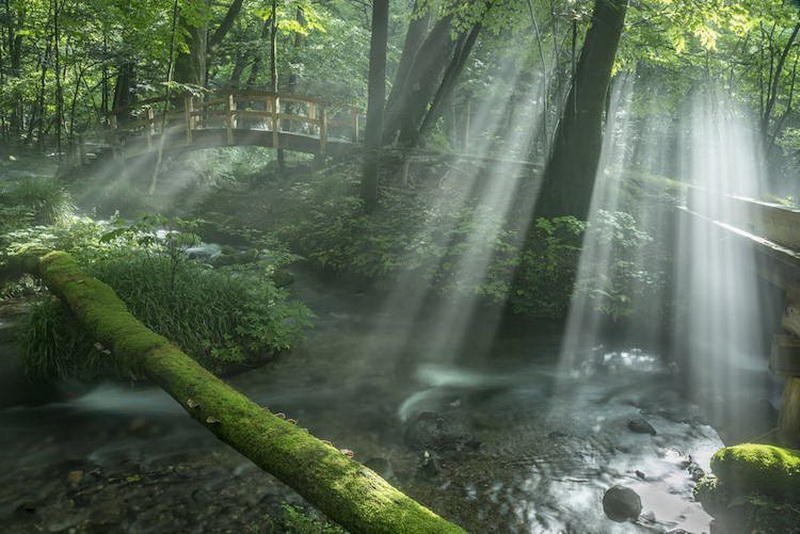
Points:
(570, 174)
(191, 65)
(377, 98)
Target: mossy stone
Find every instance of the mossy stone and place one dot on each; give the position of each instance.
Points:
(757, 468)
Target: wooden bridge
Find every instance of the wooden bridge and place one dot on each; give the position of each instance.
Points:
(773, 231)
(246, 118)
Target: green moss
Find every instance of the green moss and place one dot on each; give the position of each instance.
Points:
(753, 468)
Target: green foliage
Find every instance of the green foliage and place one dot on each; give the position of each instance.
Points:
(438, 235)
(547, 268)
(612, 288)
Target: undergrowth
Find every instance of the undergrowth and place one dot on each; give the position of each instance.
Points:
(226, 318)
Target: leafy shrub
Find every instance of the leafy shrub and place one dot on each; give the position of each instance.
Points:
(440, 234)
(546, 268)
(614, 281)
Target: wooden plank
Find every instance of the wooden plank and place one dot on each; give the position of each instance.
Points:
(150, 128)
(355, 115)
(188, 108)
(276, 123)
(323, 131)
(230, 118)
(785, 355)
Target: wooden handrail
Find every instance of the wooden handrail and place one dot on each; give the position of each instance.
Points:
(228, 111)
(247, 94)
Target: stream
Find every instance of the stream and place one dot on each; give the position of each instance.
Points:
(498, 442)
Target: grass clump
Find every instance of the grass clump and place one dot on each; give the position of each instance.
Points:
(39, 201)
(226, 318)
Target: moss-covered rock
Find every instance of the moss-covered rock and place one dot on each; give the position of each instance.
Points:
(755, 489)
(756, 468)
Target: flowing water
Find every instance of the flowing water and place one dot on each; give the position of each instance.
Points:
(509, 457)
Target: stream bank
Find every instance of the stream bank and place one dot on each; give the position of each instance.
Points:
(499, 442)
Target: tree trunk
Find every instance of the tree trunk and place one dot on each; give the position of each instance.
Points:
(421, 82)
(190, 66)
(123, 90)
(255, 70)
(273, 70)
(346, 491)
(377, 98)
(415, 36)
(570, 174)
(59, 97)
(448, 85)
(225, 26)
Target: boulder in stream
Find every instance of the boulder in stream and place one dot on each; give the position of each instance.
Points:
(429, 430)
(622, 504)
(641, 426)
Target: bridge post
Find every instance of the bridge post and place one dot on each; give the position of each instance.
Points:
(81, 149)
(188, 108)
(229, 118)
(323, 130)
(276, 123)
(113, 137)
(355, 125)
(150, 129)
(311, 112)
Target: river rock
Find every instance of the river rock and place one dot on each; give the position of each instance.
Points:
(621, 504)
(429, 430)
(641, 426)
(428, 464)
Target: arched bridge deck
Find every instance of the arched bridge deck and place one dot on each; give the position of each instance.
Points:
(251, 118)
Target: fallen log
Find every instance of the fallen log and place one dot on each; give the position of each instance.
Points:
(344, 490)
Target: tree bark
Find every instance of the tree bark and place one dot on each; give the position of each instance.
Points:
(377, 98)
(346, 491)
(570, 174)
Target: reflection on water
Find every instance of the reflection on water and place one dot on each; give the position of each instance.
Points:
(523, 461)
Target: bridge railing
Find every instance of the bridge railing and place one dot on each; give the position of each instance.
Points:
(244, 110)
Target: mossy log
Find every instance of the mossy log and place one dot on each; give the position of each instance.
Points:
(346, 491)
